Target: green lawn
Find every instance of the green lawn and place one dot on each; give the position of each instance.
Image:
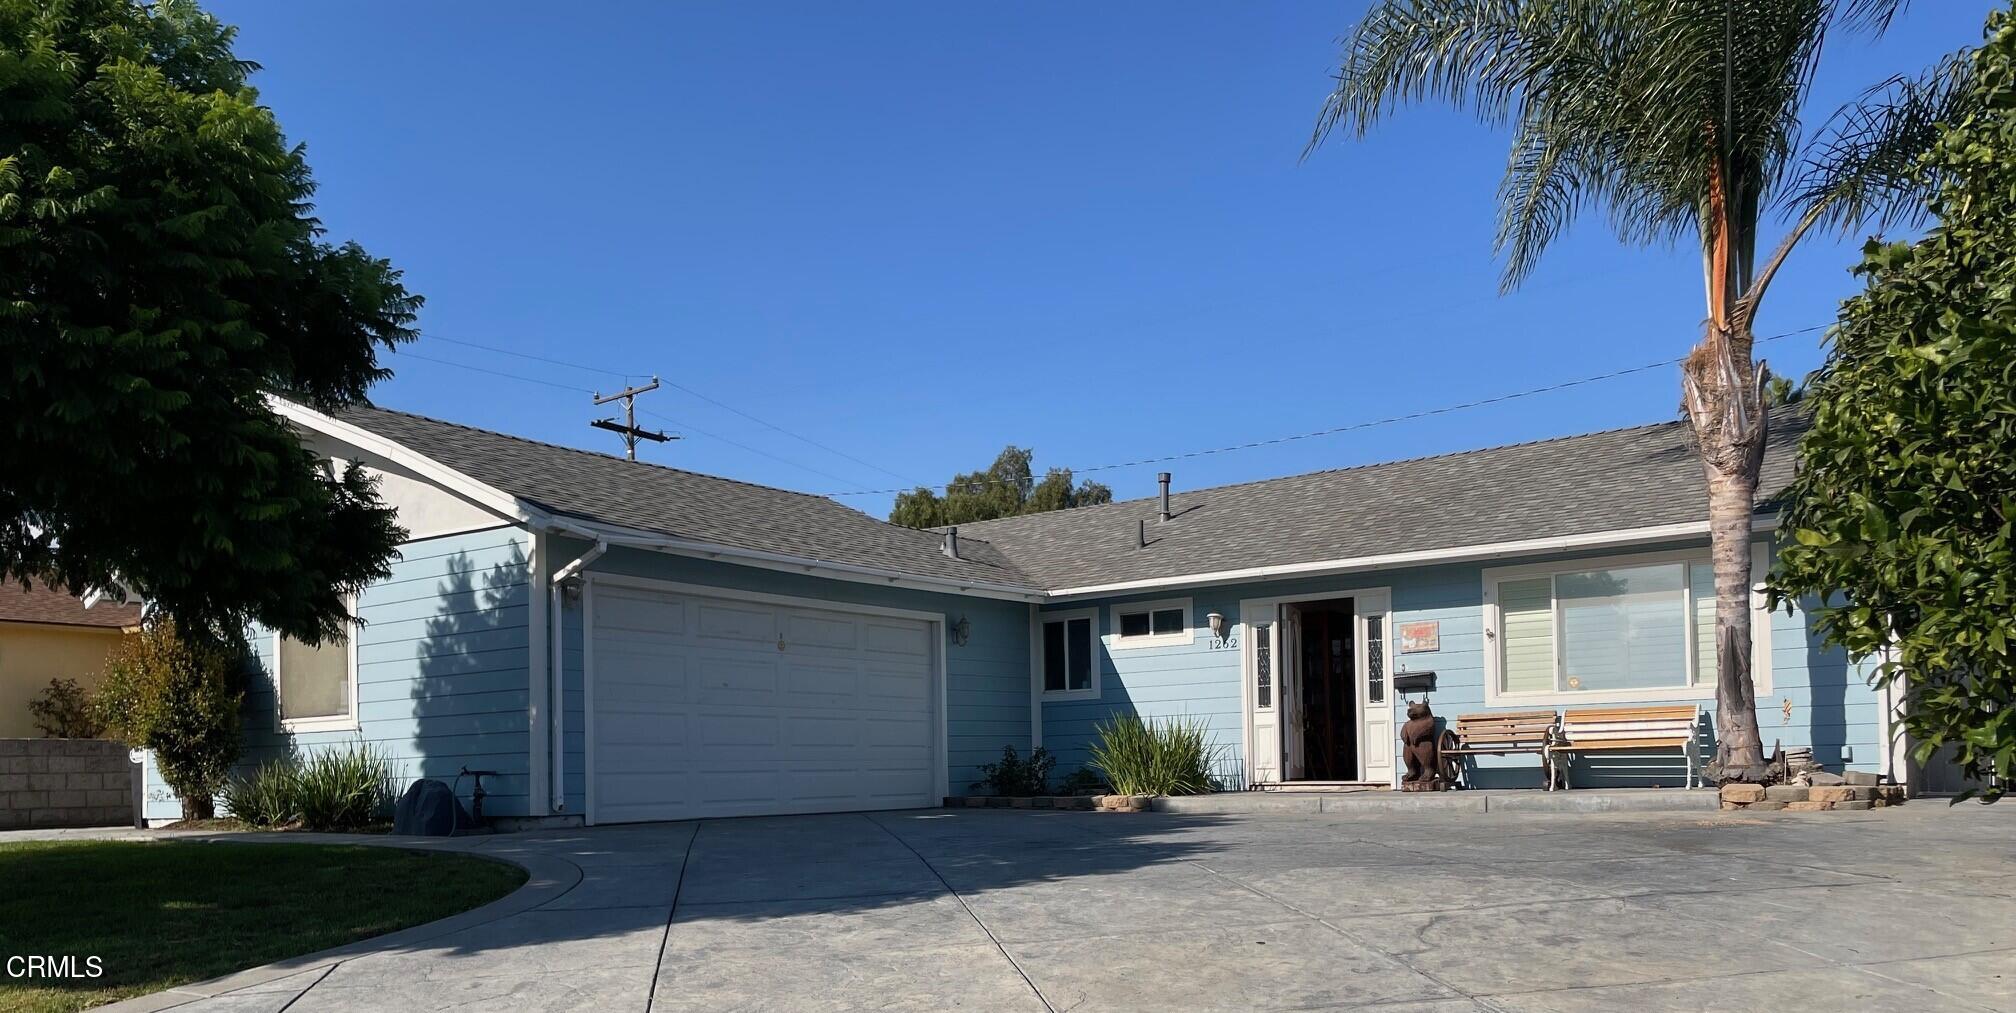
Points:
(159, 914)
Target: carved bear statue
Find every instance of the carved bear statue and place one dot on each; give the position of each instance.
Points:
(1418, 734)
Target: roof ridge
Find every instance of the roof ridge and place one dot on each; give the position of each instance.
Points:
(611, 457)
(1367, 466)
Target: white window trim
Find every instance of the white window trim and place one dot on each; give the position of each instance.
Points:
(1091, 617)
(333, 723)
(1187, 636)
(1704, 685)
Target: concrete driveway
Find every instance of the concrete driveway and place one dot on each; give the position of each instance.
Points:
(1910, 909)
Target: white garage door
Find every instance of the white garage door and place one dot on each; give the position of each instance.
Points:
(704, 706)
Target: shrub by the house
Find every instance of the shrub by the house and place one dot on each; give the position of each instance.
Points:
(1156, 756)
(334, 789)
(64, 711)
(178, 696)
(1017, 776)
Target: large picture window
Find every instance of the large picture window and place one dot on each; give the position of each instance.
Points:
(1640, 627)
(1070, 661)
(315, 686)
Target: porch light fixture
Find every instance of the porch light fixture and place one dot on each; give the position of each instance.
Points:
(962, 631)
(1217, 621)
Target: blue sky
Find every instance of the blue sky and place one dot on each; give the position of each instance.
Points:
(913, 233)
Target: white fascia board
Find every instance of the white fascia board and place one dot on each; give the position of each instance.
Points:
(1423, 557)
(635, 538)
(483, 495)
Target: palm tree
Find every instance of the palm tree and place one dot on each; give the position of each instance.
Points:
(1677, 118)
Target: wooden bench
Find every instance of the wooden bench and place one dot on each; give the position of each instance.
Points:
(1500, 733)
(1597, 729)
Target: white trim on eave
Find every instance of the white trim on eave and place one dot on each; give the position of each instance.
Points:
(640, 539)
(434, 471)
(1452, 554)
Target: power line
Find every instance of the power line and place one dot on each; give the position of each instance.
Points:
(717, 403)
(583, 390)
(1352, 427)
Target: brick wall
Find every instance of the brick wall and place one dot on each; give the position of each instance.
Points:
(64, 783)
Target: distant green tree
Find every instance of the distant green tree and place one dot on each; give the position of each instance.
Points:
(1008, 488)
(1906, 495)
(160, 271)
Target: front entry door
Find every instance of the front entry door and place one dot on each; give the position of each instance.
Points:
(1375, 704)
(1289, 660)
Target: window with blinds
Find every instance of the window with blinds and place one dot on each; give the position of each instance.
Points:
(1595, 629)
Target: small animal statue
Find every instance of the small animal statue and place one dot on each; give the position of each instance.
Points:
(1418, 734)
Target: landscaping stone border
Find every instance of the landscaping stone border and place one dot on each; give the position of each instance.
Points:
(1818, 798)
(1079, 803)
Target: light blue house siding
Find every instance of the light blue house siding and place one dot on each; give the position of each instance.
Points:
(1816, 698)
(442, 672)
(987, 678)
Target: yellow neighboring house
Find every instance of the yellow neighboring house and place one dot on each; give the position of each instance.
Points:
(46, 634)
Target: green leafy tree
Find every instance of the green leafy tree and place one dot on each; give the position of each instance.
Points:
(160, 271)
(1681, 120)
(179, 697)
(1008, 488)
(1906, 495)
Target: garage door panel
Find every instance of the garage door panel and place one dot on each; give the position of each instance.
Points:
(896, 687)
(816, 684)
(815, 631)
(721, 678)
(907, 639)
(698, 713)
(719, 620)
(620, 611)
(821, 732)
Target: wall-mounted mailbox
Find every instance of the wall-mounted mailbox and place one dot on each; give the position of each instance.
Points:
(1414, 682)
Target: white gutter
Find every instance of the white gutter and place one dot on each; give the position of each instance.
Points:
(789, 563)
(556, 680)
(1452, 554)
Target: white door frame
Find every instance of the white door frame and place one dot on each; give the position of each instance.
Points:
(934, 622)
(1266, 611)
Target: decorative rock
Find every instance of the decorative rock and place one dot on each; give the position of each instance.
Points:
(1728, 806)
(1742, 793)
(1855, 804)
(1834, 793)
(1786, 793)
(1822, 779)
(1764, 806)
(1862, 792)
(1808, 807)
(1862, 777)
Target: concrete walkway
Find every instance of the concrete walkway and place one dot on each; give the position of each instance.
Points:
(1910, 909)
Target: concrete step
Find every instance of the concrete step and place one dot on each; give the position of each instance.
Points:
(1371, 803)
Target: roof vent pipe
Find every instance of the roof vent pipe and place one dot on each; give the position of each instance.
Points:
(1141, 535)
(1164, 479)
(952, 543)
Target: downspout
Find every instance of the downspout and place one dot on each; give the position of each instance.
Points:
(558, 683)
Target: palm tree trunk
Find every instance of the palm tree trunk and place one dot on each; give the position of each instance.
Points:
(1724, 398)
(1739, 745)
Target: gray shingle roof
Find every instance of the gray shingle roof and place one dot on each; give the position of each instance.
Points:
(683, 504)
(1624, 478)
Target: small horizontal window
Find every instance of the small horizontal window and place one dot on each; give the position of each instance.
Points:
(1152, 622)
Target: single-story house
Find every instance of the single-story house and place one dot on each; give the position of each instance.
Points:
(46, 634)
(622, 641)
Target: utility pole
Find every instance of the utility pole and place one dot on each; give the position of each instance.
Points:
(628, 427)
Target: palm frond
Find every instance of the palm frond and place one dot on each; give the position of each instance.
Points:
(1861, 167)
(1472, 54)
